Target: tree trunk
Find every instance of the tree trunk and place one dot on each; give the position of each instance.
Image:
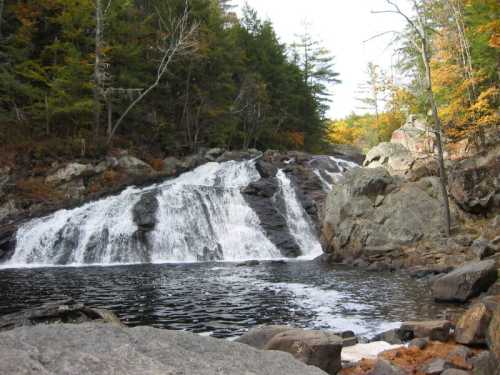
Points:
(98, 67)
(1, 15)
(438, 132)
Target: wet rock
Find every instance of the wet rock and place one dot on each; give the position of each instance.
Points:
(435, 366)
(315, 348)
(106, 349)
(259, 337)
(485, 363)
(266, 169)
(346, 152)
(472, 327)
(438, 330)
(383, 367)
(466, 282)
(250, 263)
(420, 343)
(64, 311)
(270, 208)
(144, 212)
(393, 336)
(70, 172)
(213, 154)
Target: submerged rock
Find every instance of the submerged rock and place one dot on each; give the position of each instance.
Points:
(466, 282)
(64, 311)
(105, 349)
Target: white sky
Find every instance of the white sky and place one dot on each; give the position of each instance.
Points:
(342, 26)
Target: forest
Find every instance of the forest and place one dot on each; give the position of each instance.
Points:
(168, 77)
(463, 38)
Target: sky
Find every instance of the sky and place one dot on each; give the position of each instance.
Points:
(342, 26)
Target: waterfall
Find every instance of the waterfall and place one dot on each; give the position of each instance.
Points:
(297, 219)
(200, 216)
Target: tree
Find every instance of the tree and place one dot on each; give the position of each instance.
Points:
(418, 35)
(179, 40)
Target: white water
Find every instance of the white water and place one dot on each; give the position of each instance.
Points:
(201, 214)
(298, 221)
(337, 177)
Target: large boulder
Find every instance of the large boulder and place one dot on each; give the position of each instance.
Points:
(64, 311)
(372, 214)
(465, 282)
(315, 348)
(106, 349)
(259, 337)
(438, 330)
(493, 334)
(474, 183)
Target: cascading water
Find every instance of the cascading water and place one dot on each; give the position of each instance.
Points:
(298, 221)
(327, 178)
(200, 216)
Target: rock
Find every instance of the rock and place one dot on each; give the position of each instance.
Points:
(315, 348)
(266, 169)
(250, 263)
(346, 152)
(106, 349)
(172, 166)
(259, 337)
(383, 367)
(454, 371)
(466, 282)
(485, 363)
(493, 334)
(435, 366)
(144, 212)
(358, 224)
(134, 166)
(64, 311)
(396, 158)
(348, 338)
(420, 343)
(460, 353)
(482, 248)
(415, 135)
(213, 154)
(7, 209)
(393, 336)
(474, 182)
(269, 206)
(472, 327)
(70, 172)
(438, 330)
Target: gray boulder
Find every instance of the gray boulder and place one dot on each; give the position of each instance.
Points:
(70, 172)
(315, 348)
(396, 158)
(106, 349)
(371, 214)
(383, 367)
(466, 282)
(259, 337)
(436, 330)
(134, 166)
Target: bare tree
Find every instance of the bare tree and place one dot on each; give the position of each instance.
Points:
(421, 41)
(1, 15)
(179, 40)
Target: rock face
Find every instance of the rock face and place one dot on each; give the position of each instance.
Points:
(105, 349)
(70, 172)
(493, 333)
(475, 183)
(315, 348)
(415, 135)
(394, 157)
(65, 311)
(371, 215)
(466, 282)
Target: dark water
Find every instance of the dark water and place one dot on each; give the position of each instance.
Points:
(224, 300)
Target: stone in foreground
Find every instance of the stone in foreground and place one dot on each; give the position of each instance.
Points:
(472, 327)
(92, 348)
(438, 330)
(466, 282)
(315, 348)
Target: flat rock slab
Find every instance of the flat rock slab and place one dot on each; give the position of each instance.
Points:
(107, 349)
(466, 282)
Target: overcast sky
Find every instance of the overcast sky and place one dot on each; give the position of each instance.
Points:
(342, 26)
